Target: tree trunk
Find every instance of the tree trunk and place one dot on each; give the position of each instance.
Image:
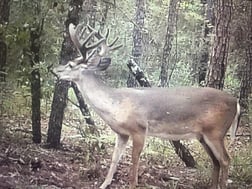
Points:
(166, 57)
(246, 69)
(83, 106)
(61, 87)
(137, 50)
(137, 72)
(4, 19)
(218, 59)
(35, 82)
(179, 148)
(246, 81)
(3, 56)
(207, 30)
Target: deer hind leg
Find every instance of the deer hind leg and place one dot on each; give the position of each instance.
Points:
(138, 144)
(216, 165)
(218, 149)
(120, 145)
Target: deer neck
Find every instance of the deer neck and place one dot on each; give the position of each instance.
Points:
(99, 96)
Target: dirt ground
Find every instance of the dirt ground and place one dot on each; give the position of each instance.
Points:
(24, 165)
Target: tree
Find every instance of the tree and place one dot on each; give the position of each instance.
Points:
(137, 49)
(218, 60)
(61, 87)
(171, 26)
(207, 30)
(35, 46)
(246, 69)
(244, 40)
(4, 19)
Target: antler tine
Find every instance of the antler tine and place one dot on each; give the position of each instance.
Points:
(84, 48)
(82, 30)
(73, 36)
(115, 47)
(105, 47)
(76, 34)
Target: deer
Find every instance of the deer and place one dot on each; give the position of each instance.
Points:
(176, 113)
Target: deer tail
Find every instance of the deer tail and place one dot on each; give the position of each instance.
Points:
(235, 122)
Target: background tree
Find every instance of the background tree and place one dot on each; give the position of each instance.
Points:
(218, 60)
(171, 27)
(246, 44)
(206, 39)
(137, 49)
(243, 42)
(61, 87)
(35, 47)
(4, 19)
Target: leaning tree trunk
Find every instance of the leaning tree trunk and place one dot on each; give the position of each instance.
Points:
(35, 82)
(61, 87)
(180, 149)
(218, 60)
(4, 19)
(137, 50)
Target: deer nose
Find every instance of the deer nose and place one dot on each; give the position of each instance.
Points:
(104, 63)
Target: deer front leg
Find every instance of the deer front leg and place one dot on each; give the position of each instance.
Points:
(120, 145)
(138, 144)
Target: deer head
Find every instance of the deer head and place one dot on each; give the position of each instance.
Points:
(92, 54)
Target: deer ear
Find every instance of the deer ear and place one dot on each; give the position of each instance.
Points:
(104, 64)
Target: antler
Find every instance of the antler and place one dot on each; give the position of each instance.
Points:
(105, 46)
(83, 44)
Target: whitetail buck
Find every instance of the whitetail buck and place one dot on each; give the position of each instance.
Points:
(171, 113)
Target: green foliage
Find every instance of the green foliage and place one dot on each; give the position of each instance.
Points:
(26, 16)
(186, 52)
(16, 102)
(242, 165)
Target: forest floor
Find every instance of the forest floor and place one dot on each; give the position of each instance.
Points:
(81, 165)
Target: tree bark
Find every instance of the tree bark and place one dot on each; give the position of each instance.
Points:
(179, 148)
(137, 50)
(245, 70)
(61, 87)
(83, 106)
(4, 19)
(218, 59)
(171, 26)
(207, 30)
(35, 82)
(3, 58)
(137, 72)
